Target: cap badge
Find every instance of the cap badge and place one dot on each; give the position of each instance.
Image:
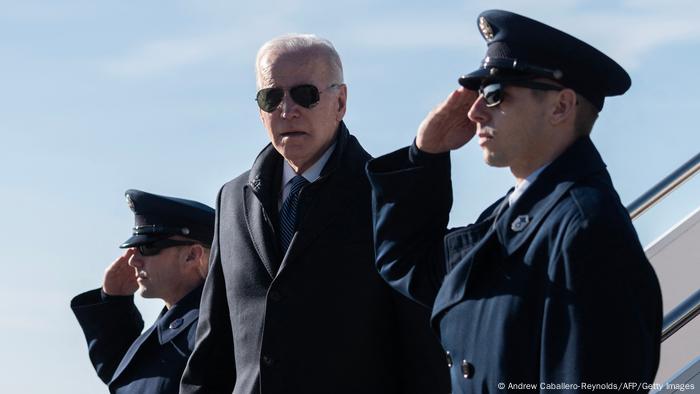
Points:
(485, 28)
(130, 202)
(520, 223)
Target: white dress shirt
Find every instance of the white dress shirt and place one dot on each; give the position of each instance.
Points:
(523, 185)
(311, 174)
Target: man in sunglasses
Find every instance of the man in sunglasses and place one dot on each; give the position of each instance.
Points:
(167, 258)
(293, 303)
(550, 289)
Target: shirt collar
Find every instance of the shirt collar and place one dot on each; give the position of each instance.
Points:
(524, 184)
(311, 174)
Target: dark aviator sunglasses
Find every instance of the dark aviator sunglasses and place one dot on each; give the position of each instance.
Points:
(155, 247)
(306, 95)
(493, 92)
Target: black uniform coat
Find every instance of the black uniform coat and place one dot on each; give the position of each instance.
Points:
(326, 322)
(557, 290)
(131, 362)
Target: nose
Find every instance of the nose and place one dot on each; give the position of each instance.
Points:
(136, 260)
(479, 112)
(289, 108)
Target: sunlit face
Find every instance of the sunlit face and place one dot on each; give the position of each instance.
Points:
(512, 133)
(163, 275)
(301, 135)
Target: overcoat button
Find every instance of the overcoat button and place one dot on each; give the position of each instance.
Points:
(467, 369)
(267, 360)
(449, 359)
(176, 323)
(275, 296)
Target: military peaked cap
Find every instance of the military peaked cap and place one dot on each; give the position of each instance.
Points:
(158, 217)
(519, 47)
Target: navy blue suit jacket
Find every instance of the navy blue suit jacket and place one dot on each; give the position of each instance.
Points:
(124, 358)
(555, 289)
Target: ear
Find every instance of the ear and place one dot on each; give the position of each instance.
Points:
(564, 109)
(342, 102)
(194, 253)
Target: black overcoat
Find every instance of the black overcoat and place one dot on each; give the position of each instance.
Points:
(326, 322)
(555, 289)
(131, 362)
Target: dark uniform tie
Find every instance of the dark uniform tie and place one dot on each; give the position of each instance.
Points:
(502, 207)
(288, 213)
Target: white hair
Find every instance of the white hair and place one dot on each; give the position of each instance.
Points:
(290, 43)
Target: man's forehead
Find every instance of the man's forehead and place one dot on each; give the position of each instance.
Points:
(289, 66)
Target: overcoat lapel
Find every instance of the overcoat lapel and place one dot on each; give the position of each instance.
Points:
(185, 312)
(133, 349)
(324, 200)
(463, 249)
(522, 220)
(327, 203)
(178, 318)
(260, 197)
(484, 240)
(261, 233)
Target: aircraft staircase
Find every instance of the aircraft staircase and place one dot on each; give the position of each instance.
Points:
(676, 258)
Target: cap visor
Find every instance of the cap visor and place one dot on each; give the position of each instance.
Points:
(472, 81)
(141, 239)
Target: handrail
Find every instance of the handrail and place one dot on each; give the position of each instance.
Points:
(681, 315)
(686, 311)
(661, 189)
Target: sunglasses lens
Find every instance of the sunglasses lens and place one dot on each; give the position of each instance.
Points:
(493, 94)
(155, 247)
(149, 249)
(305, 95)
(269, 99)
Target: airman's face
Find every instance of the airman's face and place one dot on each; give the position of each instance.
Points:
(511, 133)
(162, 275)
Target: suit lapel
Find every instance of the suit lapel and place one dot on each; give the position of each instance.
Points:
(322, 203)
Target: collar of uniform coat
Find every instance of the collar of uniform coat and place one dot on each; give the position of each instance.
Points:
(185, 309)
(580, 160)
(180, 316)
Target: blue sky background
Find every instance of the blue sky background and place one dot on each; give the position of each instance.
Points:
(100, 97)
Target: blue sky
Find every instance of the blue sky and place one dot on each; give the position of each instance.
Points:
(100, 97)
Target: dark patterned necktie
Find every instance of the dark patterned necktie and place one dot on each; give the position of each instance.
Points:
(288, 213)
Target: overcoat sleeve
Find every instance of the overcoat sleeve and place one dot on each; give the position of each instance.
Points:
(411, 201)
(110, 324)
(211, 368)
(602, 311)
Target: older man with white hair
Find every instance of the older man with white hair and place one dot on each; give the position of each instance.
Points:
(293, 303)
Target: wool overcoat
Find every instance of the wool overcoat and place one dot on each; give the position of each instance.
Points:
(553, 290)
(324, 321)
(131, 362)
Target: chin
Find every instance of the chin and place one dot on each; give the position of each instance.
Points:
(492, 161)
(144, 293)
